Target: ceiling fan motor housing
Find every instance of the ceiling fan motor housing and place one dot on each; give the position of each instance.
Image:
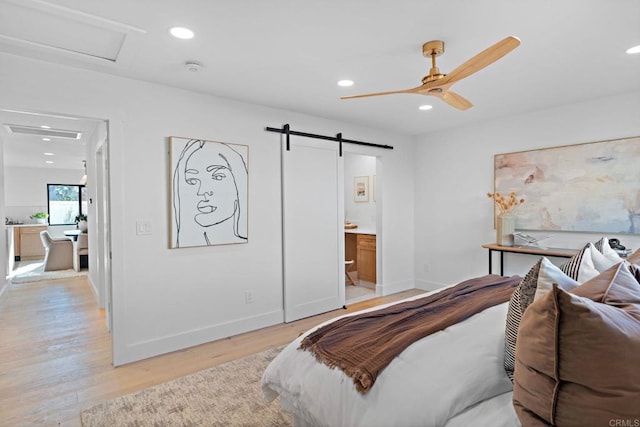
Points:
(433, 49)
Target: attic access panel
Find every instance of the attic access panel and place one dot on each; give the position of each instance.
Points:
(52, 32)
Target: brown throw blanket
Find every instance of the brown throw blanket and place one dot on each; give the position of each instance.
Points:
(364, 344)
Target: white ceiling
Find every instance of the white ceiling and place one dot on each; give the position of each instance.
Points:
(290, 53)
(23, 150)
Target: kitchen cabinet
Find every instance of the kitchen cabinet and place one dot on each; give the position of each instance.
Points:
(366, 247)
(27, 242)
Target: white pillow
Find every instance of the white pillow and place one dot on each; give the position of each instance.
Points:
(600, 261)
(611, 254)
(550, 274)
(580, 267)
(605, 249)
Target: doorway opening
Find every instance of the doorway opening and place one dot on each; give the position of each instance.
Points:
(361, 219)
(45, 159)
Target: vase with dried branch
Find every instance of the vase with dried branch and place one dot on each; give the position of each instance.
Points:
(505, 221)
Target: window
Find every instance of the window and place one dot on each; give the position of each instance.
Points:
(65, 202)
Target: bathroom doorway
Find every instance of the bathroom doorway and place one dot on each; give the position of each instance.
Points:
(361, 220)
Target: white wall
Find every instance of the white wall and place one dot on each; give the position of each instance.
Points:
(453, 214)
(96, 263)
(25, 189)
(5, 242)
(361, 213)
(163, 299)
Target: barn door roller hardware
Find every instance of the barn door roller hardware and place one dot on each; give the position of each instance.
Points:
(286, 129)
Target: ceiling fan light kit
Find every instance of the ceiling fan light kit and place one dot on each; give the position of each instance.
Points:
(438, 84)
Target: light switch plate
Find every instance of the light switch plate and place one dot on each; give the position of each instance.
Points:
(143, 228)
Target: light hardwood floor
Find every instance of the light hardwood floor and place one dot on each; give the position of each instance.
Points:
(55, 353)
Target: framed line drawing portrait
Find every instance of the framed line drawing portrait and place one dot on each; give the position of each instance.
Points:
(209, 192)
(361, 189)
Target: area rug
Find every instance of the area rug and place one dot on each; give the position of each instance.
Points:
(33, 271)
(226, 395)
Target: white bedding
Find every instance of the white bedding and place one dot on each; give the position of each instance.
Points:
(495, 412)
(428, 384)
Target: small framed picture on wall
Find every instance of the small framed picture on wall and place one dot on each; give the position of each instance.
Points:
(361, 189)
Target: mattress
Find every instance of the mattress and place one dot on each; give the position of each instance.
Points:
(435, 380)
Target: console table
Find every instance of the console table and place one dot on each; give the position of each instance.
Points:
(73, 234)
(526, 250)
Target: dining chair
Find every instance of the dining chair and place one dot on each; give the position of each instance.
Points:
(58, 252)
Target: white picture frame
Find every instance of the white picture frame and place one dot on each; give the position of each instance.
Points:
(360, 189)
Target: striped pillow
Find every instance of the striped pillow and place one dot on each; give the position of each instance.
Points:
(601, 244)
(537, 282)
(635, 270)
(520, 300)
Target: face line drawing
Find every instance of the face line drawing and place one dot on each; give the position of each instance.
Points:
(212, 174)
(207, 183)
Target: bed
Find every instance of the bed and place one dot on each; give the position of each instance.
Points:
(454, 377)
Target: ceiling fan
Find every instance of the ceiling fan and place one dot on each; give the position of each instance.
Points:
(438, 84)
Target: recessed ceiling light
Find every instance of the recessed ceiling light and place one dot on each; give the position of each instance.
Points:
(181, 33)
(49, 162)
(48, 154)
(45, 127)
(345, 83)
(425, 107)
(635, 49)
(46, 139)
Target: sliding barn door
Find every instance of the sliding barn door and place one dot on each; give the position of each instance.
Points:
(313, 243)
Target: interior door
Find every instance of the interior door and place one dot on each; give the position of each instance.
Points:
(103, 225)
(313, 241)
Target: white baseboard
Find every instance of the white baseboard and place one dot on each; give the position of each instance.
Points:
(145, 349)
(4, 284)
(428, 285)
(392, 288)
(93, 288)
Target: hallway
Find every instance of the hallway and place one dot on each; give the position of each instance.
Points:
(54, 344)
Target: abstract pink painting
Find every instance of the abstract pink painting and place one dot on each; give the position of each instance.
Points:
(590, 187)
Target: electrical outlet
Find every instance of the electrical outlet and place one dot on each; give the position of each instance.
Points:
(248, 297)
(426, 267)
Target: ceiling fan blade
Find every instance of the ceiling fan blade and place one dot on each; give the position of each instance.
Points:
(412, 90)
(455, 100)
(481, 60)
